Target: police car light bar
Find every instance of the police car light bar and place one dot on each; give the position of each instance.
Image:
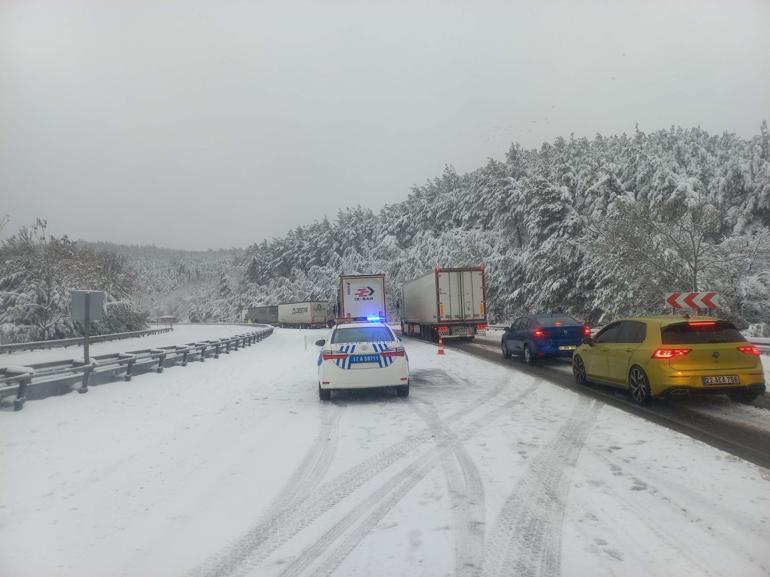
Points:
(373, 319)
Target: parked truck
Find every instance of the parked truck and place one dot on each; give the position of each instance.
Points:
(361, 297)
(265, 315)
(309, 314)
(447, 302)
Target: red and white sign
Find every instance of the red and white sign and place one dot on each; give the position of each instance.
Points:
(707, 300)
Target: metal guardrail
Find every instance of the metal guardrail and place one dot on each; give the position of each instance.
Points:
(20, 379)
(36, 345)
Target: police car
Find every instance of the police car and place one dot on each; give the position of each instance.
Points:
(360, 356)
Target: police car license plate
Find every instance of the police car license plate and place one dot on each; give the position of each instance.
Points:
(722, 380)
(567, 347)
(354, 359)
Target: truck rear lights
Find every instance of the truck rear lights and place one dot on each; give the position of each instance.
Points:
(749, 350)
(334, 356)
(481, 327)
(670, 353)
(443, 330)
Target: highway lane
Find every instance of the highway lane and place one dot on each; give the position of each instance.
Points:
(749, 440)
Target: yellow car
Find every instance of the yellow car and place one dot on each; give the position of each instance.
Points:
(665, 356)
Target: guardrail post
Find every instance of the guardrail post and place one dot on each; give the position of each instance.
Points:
(161, 358)
(184, 358)
(227, 347)
(129, 365)
(236, 342)
(216, 351)
(203, 353)
(86, 374)
(21, 394)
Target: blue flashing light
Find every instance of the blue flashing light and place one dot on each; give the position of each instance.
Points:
(373, 319)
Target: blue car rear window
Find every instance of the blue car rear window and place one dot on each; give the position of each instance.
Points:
(362, 335)
(561, 320)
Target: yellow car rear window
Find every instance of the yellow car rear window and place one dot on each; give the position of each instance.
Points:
(700, 332)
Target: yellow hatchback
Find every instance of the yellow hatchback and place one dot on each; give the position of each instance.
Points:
(665, 356)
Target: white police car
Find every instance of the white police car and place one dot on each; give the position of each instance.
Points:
(361, 356)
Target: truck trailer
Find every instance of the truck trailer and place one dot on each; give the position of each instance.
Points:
(361, 297)
(448, 302)
(308, 314)
(265, 315)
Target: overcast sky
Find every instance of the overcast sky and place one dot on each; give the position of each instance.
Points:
(197, 124)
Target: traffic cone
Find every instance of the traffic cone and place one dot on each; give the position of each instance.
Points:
(440, 345)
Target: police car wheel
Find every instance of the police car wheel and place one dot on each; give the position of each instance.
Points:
(402, 390)
(324, 394)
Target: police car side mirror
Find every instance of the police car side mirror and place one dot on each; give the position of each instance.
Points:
(320, 342)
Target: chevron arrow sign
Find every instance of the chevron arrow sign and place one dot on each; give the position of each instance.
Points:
(704, 300)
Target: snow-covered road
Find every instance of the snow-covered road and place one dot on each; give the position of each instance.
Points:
(235, 468)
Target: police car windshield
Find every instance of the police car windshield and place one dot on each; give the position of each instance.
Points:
(362, 335)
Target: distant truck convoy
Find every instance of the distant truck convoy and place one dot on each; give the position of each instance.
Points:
(265, 315)
(448, 302)
(309, 314)
(361, 297)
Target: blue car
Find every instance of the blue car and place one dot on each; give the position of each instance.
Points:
(536, 337)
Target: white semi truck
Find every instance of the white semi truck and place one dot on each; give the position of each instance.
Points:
(361, 297)
(447, 302)
(308, 314)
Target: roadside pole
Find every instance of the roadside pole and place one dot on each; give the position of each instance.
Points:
(87, 329)
(87, 306)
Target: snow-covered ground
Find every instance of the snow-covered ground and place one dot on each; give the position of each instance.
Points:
(180, 335)
(233, 467)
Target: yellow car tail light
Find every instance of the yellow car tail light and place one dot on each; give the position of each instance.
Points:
(670, 353)
(749, 350)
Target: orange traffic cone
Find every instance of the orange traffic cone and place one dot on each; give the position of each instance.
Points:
(440, 345)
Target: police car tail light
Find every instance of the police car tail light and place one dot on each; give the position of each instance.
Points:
(334, 356)
(670, 353)
(586, 331)
(541, 333)
(397, 352)
(750, 350)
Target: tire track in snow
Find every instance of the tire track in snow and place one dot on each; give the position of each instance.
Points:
(466, 494)
(390, 493)
(526, 539)
(314, 465)
(275, 530)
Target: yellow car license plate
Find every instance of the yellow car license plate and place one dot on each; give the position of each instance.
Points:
(722, 380)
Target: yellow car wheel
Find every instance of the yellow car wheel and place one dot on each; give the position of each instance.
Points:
(579, 370)
(639, 385)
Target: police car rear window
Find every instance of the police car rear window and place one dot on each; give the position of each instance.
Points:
(362, 335)
(700, 332)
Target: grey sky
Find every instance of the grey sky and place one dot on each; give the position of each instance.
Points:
(196, 124)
